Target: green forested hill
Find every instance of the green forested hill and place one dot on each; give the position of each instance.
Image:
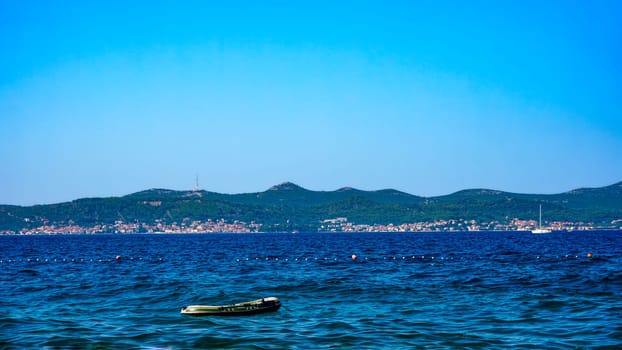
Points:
(289, 206)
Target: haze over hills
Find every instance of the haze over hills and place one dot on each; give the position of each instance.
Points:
(288, 206)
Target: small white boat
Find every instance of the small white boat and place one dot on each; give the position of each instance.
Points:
(253, 307)
(540, 229)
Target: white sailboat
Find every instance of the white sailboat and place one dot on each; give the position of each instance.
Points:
(540, 229)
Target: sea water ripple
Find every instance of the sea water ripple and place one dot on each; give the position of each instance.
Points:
(404, 290)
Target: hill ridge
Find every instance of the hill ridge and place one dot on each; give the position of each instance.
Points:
(291, 207)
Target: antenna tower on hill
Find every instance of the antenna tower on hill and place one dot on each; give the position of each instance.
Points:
(196, 184)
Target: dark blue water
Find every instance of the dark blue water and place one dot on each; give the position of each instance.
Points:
(432, 290)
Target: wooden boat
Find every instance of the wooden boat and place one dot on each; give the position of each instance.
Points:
(253, 307)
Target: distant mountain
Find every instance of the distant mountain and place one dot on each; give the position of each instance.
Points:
(289, 206)
(606, 198)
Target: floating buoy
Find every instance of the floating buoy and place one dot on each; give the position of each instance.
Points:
(354, 257)
(589, 255)
(118, 257)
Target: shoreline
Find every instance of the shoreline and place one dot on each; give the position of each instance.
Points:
(592, 230)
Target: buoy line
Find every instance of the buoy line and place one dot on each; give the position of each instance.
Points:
(35, 260)
(352, 258)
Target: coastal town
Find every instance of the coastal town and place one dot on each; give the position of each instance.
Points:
(340, 224)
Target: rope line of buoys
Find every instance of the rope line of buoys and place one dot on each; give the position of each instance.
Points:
(403, 258)
(354, 258)
(74, 260)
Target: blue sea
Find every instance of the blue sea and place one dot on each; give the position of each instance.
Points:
(405, 290)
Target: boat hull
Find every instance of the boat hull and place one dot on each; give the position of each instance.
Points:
(248, 308)
(540, 231)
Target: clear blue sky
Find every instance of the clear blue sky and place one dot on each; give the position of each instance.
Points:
(427, 97)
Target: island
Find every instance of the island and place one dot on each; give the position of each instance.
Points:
(290, 208)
